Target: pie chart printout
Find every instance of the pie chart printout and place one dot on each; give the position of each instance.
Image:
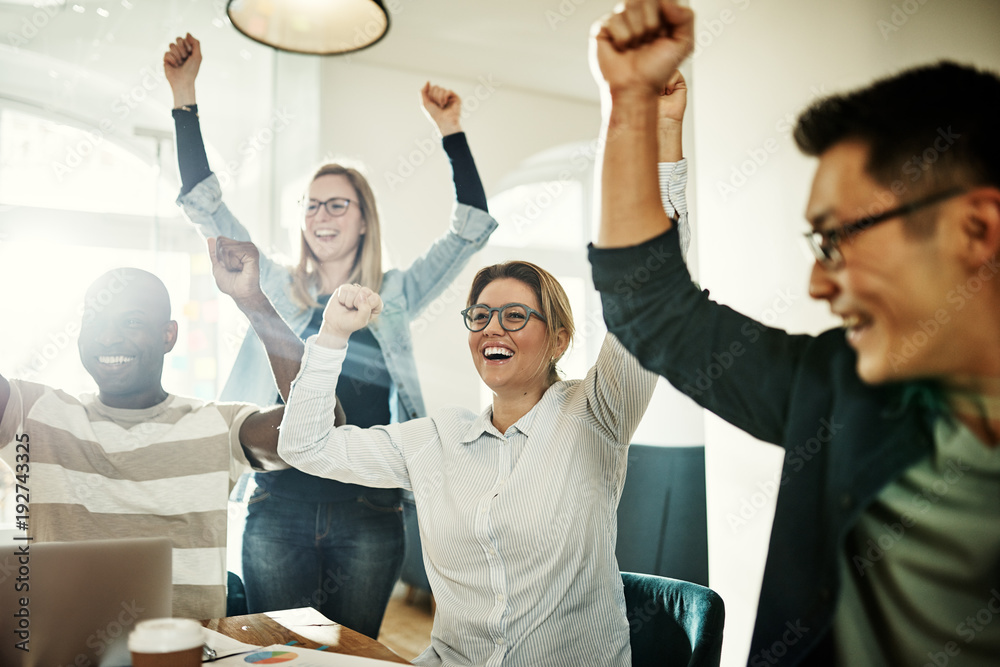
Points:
(270, 657)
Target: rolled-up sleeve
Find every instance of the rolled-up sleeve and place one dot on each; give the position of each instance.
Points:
(673, 196)
(203, 205)
(472, 224)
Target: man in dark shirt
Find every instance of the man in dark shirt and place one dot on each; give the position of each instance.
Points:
(886, 540)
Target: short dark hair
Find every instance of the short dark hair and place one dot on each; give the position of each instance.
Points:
(926, 128)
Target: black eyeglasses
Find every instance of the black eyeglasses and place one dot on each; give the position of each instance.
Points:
(513, 316)
(335, 206)
(825, 245)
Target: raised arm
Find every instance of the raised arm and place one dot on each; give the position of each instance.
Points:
(201, 191)
(636, 52)
(236, 271)
(470, 225)
(236, 267)
(444, 108)
(727, 362)
(618, 390)
(181, 63)
(673, 167)
(670, 108)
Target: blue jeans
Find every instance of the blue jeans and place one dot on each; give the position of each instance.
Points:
(341, 558)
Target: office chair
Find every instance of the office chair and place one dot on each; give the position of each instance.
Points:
(673, 622)
(662, 516)
(236, 596)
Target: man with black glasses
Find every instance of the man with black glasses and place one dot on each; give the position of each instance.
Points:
(886, 540)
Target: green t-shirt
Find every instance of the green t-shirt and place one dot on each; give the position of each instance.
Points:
(920, 571)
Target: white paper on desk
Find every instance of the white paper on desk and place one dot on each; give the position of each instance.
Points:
(294, 656)
(298, 616)
(309, 623)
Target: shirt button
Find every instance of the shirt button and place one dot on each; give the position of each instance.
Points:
(499, 597)
(492, 552)
(484, 510)
(499, 641)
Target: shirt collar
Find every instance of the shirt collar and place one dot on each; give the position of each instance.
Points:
(925, 397)
(127, 415)
(484, 424)
(481, 424)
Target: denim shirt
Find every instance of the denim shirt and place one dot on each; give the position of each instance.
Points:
(404, 294)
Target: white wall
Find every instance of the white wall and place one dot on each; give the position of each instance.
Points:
(757, 66)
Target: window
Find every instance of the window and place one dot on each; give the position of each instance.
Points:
(47, 164)
(72, 206)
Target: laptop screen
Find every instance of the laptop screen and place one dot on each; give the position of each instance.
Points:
(74, 603)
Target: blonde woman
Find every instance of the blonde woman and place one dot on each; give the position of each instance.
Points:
(517, 504)
(311, 541)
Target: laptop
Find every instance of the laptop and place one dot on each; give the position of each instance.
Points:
(81, 600)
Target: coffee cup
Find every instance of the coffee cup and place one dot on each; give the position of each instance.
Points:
(167, 642)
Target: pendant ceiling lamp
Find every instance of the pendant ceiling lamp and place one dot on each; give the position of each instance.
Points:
(323, 27)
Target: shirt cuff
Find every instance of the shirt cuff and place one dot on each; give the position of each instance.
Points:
(182, 112)
(614, 269)
(472, 224)
(205, 196)
(673, 186)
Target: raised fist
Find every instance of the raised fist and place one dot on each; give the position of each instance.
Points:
(443, 107)
(181, 63)
(351, 307)
(236, 267)
(640, 45)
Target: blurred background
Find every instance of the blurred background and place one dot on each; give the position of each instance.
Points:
(88, 177)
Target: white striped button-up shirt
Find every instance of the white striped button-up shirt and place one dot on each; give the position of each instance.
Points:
(518, 528)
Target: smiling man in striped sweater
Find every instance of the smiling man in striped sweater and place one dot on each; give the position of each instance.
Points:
(134, 460)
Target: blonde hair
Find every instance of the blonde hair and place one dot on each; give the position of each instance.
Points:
(552, 301)
(367, 268)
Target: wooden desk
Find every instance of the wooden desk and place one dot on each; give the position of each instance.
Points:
(261, 630)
